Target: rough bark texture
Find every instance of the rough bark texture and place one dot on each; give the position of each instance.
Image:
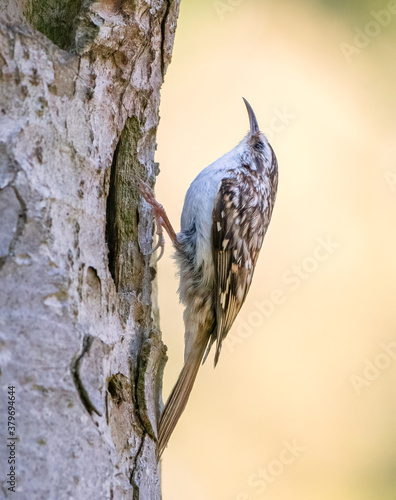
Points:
(79, 98)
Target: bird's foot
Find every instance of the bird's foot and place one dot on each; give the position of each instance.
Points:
(161, 239)
(147, 193)
(161, 219)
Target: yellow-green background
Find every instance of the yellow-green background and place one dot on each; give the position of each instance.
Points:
(290, 378)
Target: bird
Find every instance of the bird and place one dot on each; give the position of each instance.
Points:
(226, 213)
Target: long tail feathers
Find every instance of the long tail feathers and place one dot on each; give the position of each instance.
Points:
(212, 340)
(178, 398)
(218, 350)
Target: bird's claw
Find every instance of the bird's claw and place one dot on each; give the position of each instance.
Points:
(148, 195)
(160, 242)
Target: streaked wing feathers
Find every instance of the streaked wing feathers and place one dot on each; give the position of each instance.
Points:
(237, 236)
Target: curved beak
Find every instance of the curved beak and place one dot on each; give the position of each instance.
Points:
(254, 127)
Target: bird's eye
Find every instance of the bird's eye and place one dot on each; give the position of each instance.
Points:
(259, 146)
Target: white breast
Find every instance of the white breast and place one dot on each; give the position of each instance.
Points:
(199, 202)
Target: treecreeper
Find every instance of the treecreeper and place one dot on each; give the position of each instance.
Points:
(226, 213)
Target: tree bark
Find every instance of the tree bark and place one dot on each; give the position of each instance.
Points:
(79, 96)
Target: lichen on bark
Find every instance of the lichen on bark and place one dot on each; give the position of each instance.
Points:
(55, 19)
(127, 264)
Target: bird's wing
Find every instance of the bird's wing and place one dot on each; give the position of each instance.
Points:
(237, 235)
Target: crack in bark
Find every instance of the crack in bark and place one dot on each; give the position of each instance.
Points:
(127, 265)
(163, 37)
(3, 260)
(111, 217)
(22, 216)
(75, 370)
(134, 393)
(107, 407)
(21, 220)
(134, 469)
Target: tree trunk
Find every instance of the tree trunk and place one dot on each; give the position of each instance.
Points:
(79, 96)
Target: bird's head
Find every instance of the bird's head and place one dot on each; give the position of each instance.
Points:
(255, 137)
(256, 145)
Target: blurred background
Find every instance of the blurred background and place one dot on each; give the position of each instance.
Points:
(302, 404)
